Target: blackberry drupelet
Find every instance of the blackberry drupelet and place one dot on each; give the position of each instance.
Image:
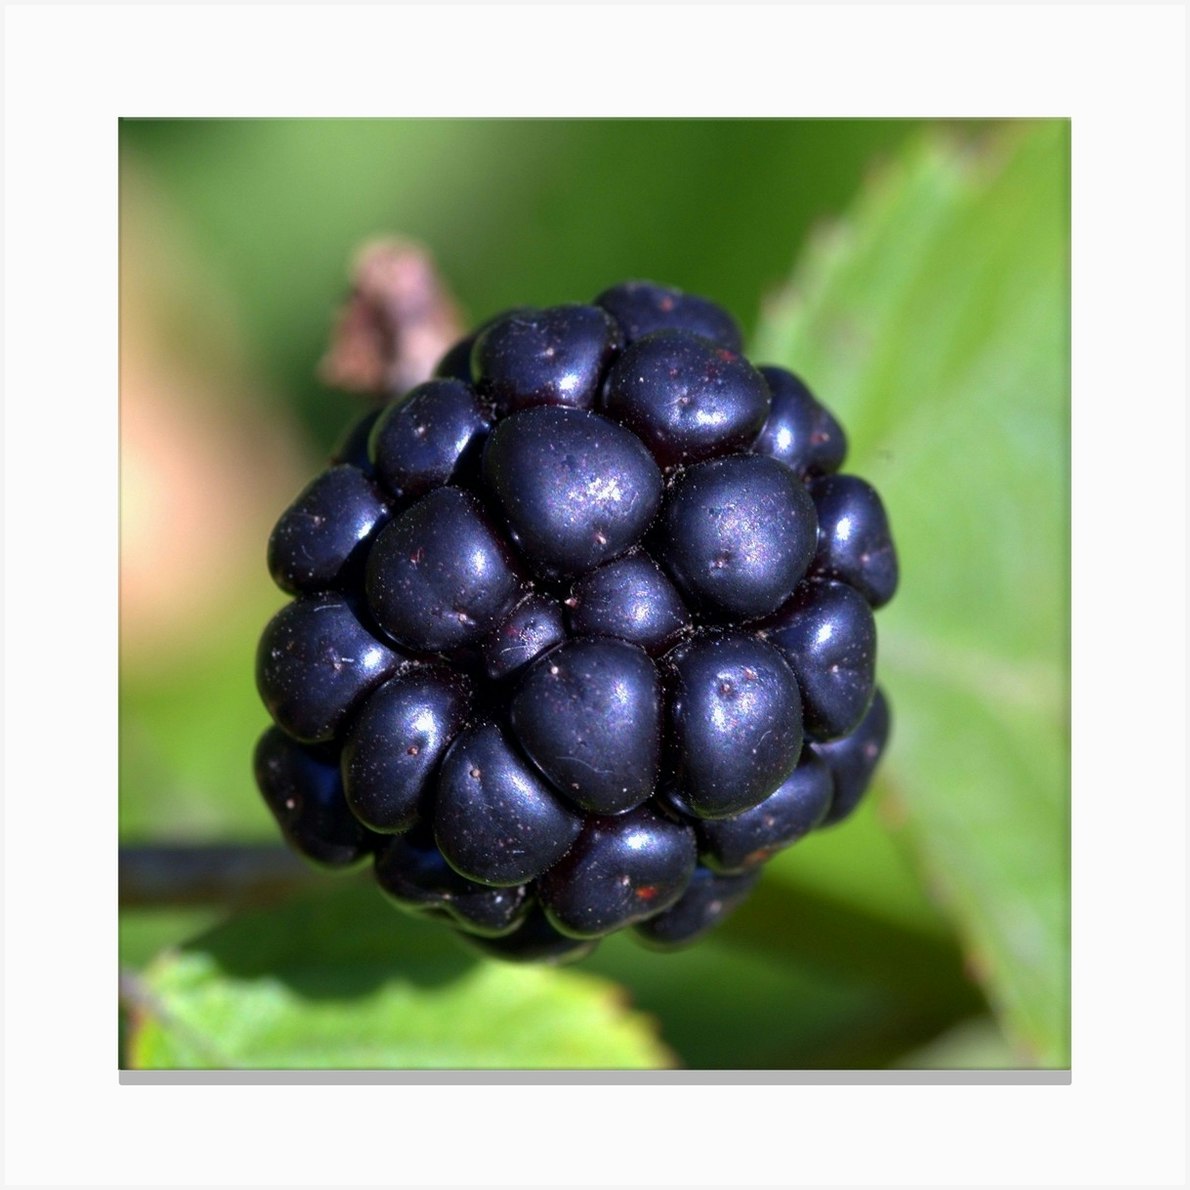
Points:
(581, 633)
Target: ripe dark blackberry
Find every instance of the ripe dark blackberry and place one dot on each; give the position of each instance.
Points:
(588, 714)
(827, 633)
(718, 537)
(632, 599)
(743, 842)
(685, 398)
(574, 488)
(735, 721)
(392, 749)
(582, 631)
(545, 357)
(641, 307)
(440, 575)
(799, 431)
(322, 538)
(496, 819)
(420, 443)
(708, 899)
(413, 873)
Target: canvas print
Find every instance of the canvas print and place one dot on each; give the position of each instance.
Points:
(594, 595)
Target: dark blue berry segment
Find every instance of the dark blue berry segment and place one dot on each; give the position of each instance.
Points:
(745, 841)
(854, 540)
(641, 307)
(322, 537)
(422, 441)
(800, 432)
(582, 633)
(495, 819)
(853, 759)
(735, 721)
(620, 871)
(545, 357)
(534, 625)
(737, 535)
(315, 663)
(304, 792)
(456, 363)
(353, 446)
(535, 941)
(439, 576)
(686, 398)
(827, 633)
(588, 714)
(708, 900)
(575, 488)
(629, 598)
(415, 876)
(395, 743)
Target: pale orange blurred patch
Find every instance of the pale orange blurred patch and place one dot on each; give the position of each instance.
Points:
(206, 465)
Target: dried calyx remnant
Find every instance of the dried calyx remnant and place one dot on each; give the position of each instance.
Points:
(582, 626)
(396, 323)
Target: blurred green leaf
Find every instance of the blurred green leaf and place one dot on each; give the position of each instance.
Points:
(934, 321)
(976, 1044)
(798, 980)
(516, 211)
(145, 932)
(333, 981)
(794, 981)
(187, 731)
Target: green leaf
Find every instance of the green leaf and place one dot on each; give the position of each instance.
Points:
(798, 980)
(933, 321)
(975, 1044)
(339, 981)
(187, 731)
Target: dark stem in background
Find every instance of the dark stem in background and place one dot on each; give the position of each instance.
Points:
(218, 874)
(919, 984)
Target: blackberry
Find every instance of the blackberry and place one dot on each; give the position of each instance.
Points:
(709, 897)
(743, 842)
(718, 538)
(392, 749)
(854, 541)
(421, 442)
(322, 538)
(735, 721)
(799, 431)
(631, 599)
(536, 623)
(685, 398)
(588, 714)
(827, 633)
(574, 488)
(304, 790)
(440, 575)
(581, 631)
(545, 357)
(414, 874)
(641, 307)
(620, 870)
(496, 819)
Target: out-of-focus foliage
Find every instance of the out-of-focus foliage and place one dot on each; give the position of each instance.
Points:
(928, 310)
(325, 981)
(938, 317)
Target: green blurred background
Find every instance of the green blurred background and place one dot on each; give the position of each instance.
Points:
(915, 272)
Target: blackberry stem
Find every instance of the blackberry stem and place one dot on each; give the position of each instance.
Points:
(210, 874)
